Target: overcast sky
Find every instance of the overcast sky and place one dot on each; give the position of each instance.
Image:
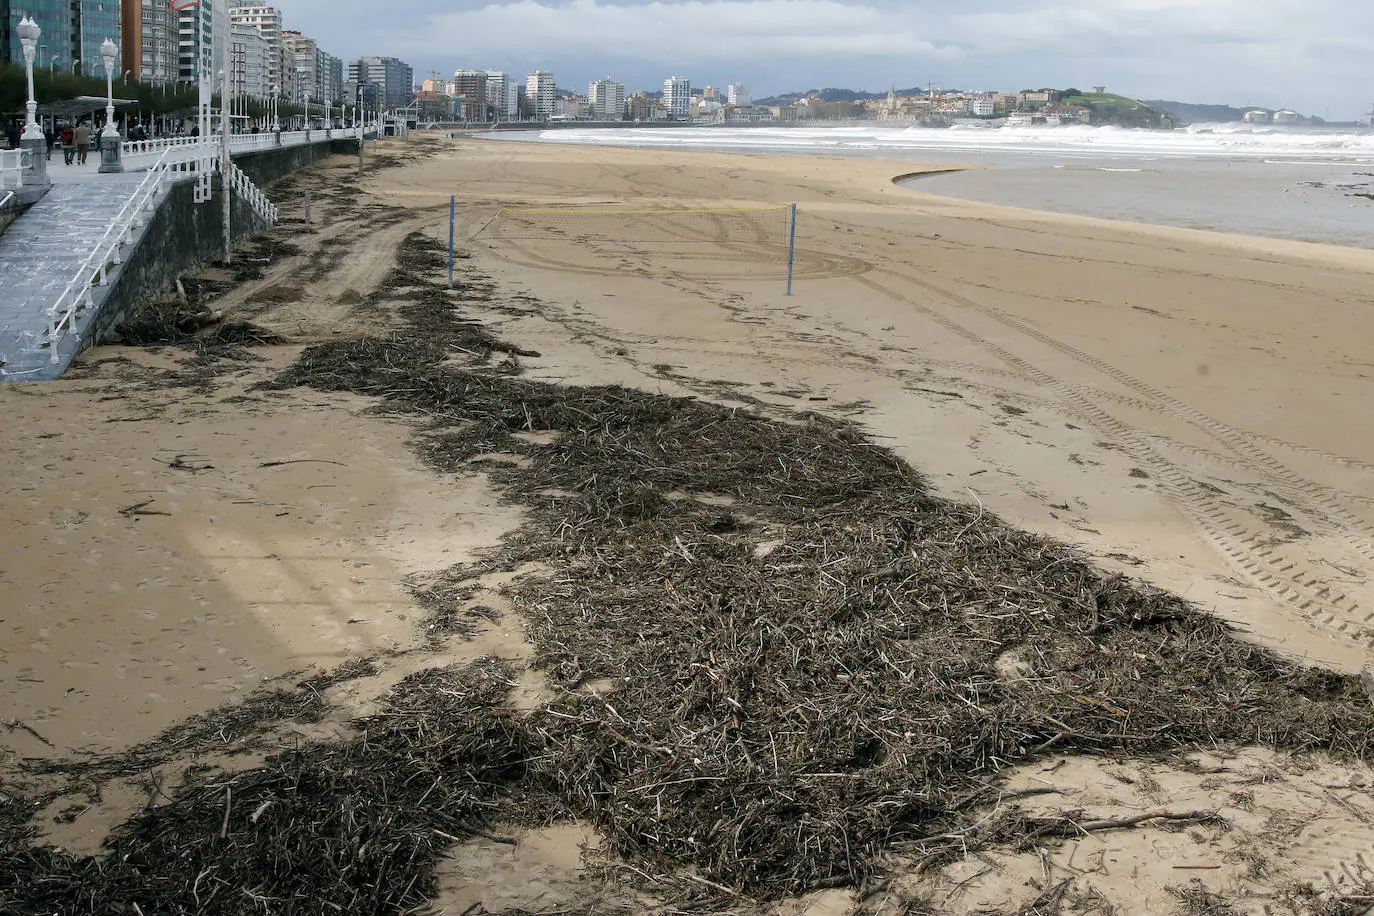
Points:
(1311, 55)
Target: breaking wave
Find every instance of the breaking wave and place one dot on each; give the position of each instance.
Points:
(1206, 141)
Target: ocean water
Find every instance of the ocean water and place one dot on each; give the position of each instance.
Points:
(1267, 181)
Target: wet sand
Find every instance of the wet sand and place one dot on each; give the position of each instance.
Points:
(1184, 406)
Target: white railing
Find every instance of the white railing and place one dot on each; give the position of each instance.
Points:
(12, 168)
(141, 153)
(177, 158)
(7, 201)
(261, 205)
(249, 143)
(144, 147)
(107, 251)
(175, 162)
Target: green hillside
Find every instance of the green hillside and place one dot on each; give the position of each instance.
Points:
(1108, 108)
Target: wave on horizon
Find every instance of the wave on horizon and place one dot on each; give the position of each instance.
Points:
(1220, 141)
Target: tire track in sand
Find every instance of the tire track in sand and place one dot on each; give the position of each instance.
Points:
(1246, 547)
(1240, 442)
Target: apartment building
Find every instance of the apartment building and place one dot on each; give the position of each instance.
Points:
(470, 95)
(267, 20)
(542, 92)
(677, 98)
(202, 39)
(606, 100)
(300, 66)
(503, 95)
(384, 82)
(248, 71)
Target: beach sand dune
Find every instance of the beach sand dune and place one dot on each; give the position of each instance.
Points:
(1186, 408)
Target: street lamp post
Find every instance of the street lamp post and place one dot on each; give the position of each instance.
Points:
(225, 182)
(110, 140)
(33, 140)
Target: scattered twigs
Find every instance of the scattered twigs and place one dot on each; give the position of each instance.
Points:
(141, 509)
(14, 724)
(228, 802)
(1067, 826)
(277, 464)
(780, 656)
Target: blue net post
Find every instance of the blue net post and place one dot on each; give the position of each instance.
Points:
(792, 249)
(452, 208)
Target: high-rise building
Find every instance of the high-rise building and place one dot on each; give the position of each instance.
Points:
(248, 52)
(542, 92)
(503, 96)
(677, 98)
(197, 39)
(55, 18)
(93, 21)
(738, 94)
(606, 100)
(392, 82)
(150, 40)
(219, 44)
(267, 20)
(73, 31)
(329, 77)
(300, 66)
(470, 94)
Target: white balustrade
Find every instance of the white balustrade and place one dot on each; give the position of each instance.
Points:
(12, 168)
(250, 192)
(139, 154)
(93, 271)
(167, 161)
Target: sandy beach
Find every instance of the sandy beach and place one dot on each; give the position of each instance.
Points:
(1184, 408)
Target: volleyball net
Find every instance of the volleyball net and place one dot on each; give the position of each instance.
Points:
(762, 233)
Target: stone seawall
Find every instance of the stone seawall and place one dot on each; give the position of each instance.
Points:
(183, 236)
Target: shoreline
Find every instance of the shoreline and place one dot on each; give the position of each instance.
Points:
(1313, 231)
(1037, 369)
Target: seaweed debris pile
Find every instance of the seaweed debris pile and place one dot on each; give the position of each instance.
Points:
(779, 656)
(350, 827)
(811, 657)
(804, 656)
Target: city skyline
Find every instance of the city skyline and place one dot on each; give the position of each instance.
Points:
(1307, 56)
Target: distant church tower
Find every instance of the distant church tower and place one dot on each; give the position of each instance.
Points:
(892, 108)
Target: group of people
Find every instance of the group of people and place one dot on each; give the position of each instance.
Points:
(74, 139)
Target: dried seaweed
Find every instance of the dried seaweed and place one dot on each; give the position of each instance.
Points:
(354, 827)
(811, 672)
(814, 659)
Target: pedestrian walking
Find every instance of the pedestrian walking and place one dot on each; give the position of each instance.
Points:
(67, 139)
(12, 135)
(48, 140)
(83, 142)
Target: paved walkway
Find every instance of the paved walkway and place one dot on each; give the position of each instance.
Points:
(41, 253)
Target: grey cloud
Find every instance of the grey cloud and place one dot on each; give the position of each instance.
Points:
(1298, 53)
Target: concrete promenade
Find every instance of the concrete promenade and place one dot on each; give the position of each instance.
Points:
(41, 253)
(43, 250)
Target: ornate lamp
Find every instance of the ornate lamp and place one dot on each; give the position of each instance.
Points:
(110, 140)
(29, 33)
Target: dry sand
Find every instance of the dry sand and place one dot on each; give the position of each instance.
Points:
(1188, 407)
